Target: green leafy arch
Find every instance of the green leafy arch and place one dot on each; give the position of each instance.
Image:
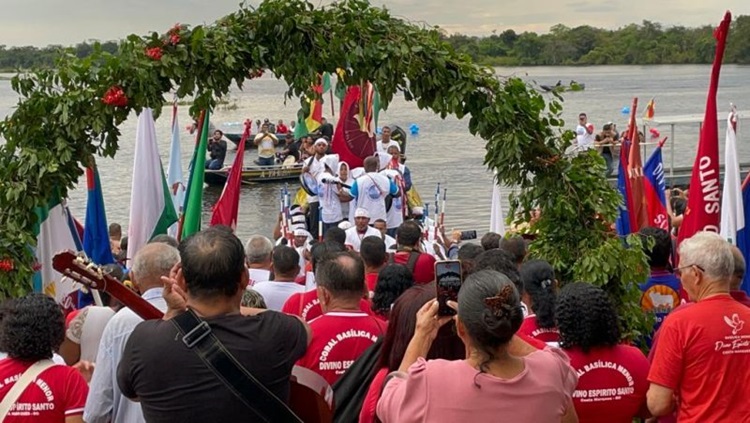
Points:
(72, 112)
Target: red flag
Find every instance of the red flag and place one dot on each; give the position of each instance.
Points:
(703, 211)
(637, 193)
(350, 142)
(227, 207)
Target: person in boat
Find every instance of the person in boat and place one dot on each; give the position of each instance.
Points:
(371, 189)
(360, 230)
(217, 149)
(281, 128)
(381, 148)
(291, 148)
(345, 177)
(326, 129)
(271, 126)
(584, 132)
(606, 142)
(266, 142)
(315, 166)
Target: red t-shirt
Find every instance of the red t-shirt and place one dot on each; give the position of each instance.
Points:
(338, 339)
(307, 305)
(530, 328)
(703, 355)
(424, 268)
(57, 393)
(371, 279)
(612, 383)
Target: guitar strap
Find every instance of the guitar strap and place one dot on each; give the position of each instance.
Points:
(197, 336)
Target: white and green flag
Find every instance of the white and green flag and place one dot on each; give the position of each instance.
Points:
(151, 209)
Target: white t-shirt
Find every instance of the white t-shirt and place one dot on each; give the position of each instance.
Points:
(584, 139)
(354, 238)
(330, 204)
(266, 147)
(276, 293)
(372, 183)
(315, 167)
(258, 275)
(86, 329)
(389, 242)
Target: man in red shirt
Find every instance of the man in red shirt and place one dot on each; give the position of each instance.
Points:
(375, 258)
(422, 265)
(344, 332)
(702, 361)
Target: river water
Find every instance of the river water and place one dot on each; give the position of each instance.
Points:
(444, 151)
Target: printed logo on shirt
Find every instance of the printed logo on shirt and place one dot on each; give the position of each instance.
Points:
(536, 332)
(606, 393)
(735, 323)
(660, 299)
(340, 366)
(735, 343)
(31, 409)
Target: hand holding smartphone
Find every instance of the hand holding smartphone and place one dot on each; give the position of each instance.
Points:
(448, 281)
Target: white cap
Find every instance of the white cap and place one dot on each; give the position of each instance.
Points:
(319, 141)
(360, 212)
(345, 224)
(417, 210)
(301, 232)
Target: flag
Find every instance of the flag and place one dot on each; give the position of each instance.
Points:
(650, 108)
(636, 192)
(151, 209)
(497, 221)
(96, 232)
(654, 188)
(55, 231)
(314, 118)
(732, 210)
(174, 173)
(350, 142)
(193, 209)
(227, 207)
(703, 209)
(623, 219)
(326, 83)
(743, 234)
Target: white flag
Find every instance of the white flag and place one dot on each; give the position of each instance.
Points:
(732, 210)
(174, 172)
(497, 221)
(151, 209)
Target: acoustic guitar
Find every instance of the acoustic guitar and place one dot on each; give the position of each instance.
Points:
(310, 397)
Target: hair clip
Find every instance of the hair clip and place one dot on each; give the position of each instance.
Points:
(499, 303)
(546, 283)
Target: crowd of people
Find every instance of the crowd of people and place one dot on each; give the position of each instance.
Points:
(355, 316)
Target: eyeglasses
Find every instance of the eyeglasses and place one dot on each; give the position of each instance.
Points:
(678, 271)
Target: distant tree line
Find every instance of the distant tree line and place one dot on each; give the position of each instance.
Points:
(646, 44)
(649, 43)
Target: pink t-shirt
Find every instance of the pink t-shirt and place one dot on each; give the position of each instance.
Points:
(447, 391)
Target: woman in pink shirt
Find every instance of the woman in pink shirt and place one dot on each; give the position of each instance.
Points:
(490, 384)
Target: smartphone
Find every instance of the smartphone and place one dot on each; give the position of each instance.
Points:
(465, 235)
(448, 281)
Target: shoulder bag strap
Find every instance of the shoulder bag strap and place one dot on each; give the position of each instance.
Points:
(197, 336)
(412, 263)
(26, 379)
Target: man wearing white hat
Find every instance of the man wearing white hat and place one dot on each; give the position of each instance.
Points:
(370, 190)
(315, 166)
(381, 148)
(330, 194)
(360, 230)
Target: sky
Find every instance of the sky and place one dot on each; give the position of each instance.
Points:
(67, 22)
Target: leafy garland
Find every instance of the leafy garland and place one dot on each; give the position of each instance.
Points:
(72, 112)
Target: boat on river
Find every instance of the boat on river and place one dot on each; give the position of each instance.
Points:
(255, 174)
(249, 145)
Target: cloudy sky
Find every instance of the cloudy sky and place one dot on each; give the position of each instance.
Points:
(42, 22)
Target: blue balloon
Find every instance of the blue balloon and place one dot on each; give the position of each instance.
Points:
(625, 110)
(414, 129)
